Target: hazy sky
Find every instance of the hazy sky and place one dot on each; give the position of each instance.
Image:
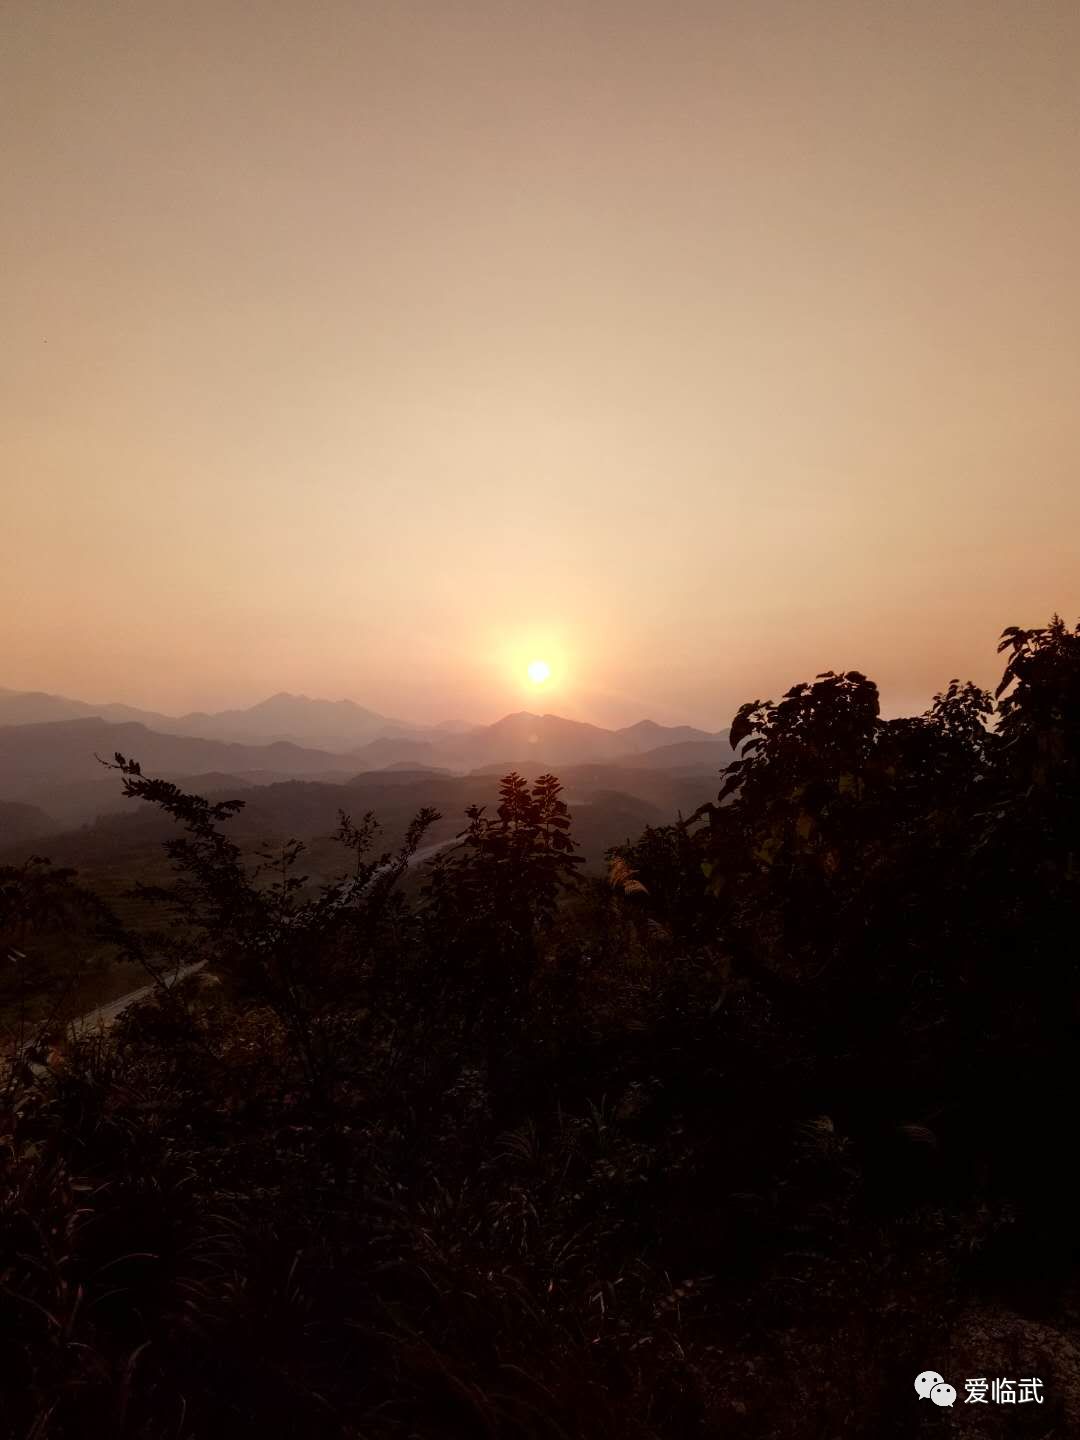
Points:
(375, 348)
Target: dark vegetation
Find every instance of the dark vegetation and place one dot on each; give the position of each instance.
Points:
(734, 1141)
(117, 853)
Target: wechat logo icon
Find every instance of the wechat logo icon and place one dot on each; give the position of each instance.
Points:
(932, 1386)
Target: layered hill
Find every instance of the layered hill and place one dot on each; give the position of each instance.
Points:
(54, 765)
(298, 719)
(549, 740)
(343, 726)
(609, 806)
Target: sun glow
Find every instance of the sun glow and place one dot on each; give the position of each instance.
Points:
(531, 666)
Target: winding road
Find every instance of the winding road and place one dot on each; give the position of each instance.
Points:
(105, 1014)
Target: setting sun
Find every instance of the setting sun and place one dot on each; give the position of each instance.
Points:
(539, 671)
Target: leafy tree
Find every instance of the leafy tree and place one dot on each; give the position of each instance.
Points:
(489, 900)
(298, 955)
(1039, 705)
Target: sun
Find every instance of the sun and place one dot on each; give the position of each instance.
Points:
(539, 671)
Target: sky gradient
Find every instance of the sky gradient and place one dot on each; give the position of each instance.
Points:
(377, 349)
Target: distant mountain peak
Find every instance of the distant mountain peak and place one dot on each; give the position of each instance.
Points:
(332, 725)
(343, 727)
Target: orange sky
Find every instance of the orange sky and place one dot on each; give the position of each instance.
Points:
(371, 347)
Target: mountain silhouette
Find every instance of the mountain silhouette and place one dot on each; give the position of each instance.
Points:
(53, 765)
(648, 735)
(343, 725)
(525, 738)
(323, 724)
(50, 762)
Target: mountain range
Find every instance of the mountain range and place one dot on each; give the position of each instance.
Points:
(323, 724)
(48, 746)
(342, 726)
(525, 737)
